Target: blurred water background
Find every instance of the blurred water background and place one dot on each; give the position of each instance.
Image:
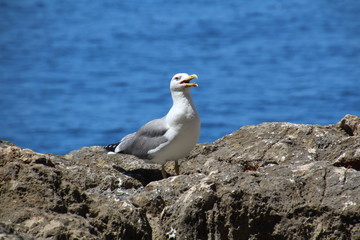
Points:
(82, 73)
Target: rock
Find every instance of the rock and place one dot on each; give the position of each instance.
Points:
(67, 197)
(269, 181)
(351, 124)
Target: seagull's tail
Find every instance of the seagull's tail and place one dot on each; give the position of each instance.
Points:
(111, 147)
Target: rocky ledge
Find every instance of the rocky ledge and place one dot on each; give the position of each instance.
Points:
(269, 181)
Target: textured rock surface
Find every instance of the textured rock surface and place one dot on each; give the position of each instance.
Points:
(351, 124)
(269, 181)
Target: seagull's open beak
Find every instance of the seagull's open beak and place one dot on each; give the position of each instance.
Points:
(187, 81)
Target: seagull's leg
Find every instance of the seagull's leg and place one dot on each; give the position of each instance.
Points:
(177, 167)
(163, 172)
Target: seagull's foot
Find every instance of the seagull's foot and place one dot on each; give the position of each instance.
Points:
(177, 168)
(163, 172)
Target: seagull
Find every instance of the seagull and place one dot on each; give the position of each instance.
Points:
(168, 138)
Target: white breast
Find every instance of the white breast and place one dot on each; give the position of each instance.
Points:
(181, 141)
(184, 130)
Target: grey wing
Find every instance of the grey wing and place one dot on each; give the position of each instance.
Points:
(124, 143)
(148, 137)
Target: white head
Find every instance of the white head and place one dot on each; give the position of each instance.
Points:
(181, 82)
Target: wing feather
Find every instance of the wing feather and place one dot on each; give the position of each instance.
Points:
(148, 137)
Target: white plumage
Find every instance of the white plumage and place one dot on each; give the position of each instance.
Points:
(170, 137)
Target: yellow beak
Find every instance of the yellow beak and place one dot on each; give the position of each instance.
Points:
(187, 81)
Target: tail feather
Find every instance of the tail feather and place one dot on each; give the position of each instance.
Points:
(111, 147)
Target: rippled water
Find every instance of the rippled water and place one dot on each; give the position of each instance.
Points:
(82, 73)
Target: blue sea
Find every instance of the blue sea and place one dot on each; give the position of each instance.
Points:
(83, 73)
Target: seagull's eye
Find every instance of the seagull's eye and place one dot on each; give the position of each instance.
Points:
(177, 78)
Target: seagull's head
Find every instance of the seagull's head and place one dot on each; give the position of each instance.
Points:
(181, 81)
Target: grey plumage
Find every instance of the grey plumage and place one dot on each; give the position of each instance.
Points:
(138, 143)
(169, 138)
